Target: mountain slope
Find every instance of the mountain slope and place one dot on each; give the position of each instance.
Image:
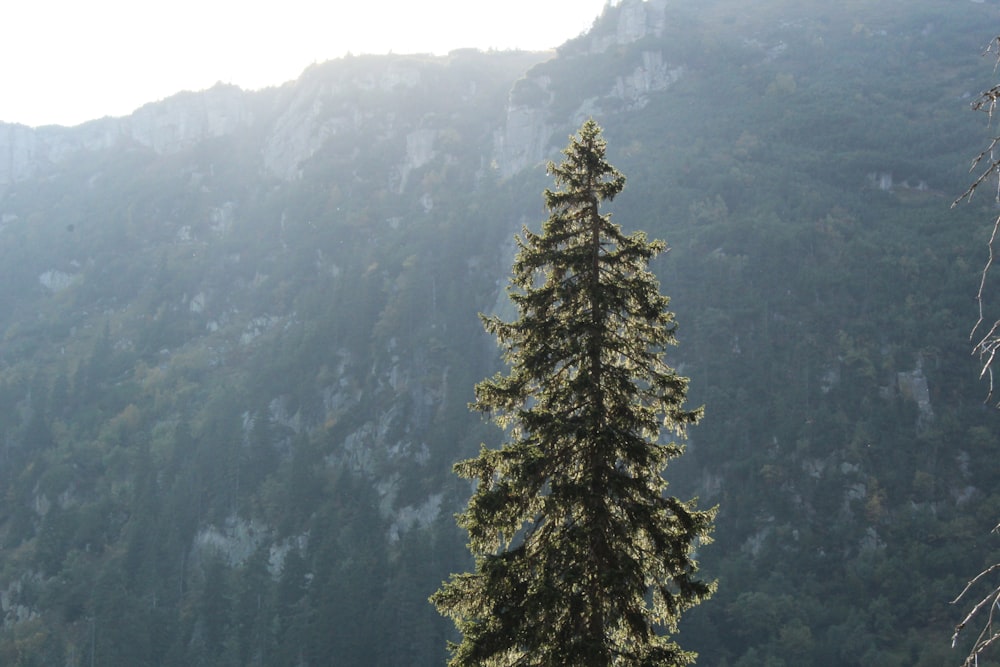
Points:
(240, 333)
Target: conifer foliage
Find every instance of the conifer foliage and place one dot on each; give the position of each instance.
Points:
(581, 558)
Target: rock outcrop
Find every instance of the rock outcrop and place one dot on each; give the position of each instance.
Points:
(636, 19)
(168, 126)
(526, 140)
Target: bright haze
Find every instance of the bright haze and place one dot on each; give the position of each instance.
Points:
(64, 62)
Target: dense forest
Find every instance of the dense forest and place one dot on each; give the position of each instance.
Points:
(239, 336)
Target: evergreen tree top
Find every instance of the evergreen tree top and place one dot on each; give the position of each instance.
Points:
(581, 557)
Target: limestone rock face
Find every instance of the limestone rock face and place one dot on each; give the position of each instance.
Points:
(235, 541)
(419, 151)
(56, 281)
(297, 134)
(168, 126)
(913, 386)
(291, 124)
(319, 109)
(18, 150)
(185, 119)
(651, 75)
(636, 19)
(525, 139)
(25, 150)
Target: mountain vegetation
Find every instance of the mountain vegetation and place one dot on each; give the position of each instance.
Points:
(239, 337)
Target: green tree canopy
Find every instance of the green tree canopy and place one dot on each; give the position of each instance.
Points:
(581, 558)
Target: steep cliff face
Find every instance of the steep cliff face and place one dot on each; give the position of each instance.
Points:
(321, 107)
(25, 151)
(635, 20)
(175, 124)
(333, 102)
(187, 119)
(526, 137)
(539, 116)
(18, 148)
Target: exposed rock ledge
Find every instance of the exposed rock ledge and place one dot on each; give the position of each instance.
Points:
(167, 126)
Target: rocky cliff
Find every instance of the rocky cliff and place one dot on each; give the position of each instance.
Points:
(177, 123)
(315, 108)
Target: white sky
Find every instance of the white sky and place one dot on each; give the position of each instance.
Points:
(68, 61)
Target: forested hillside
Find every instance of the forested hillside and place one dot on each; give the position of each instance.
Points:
(239, 334)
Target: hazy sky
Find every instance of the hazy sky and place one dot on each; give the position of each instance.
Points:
(67, 61)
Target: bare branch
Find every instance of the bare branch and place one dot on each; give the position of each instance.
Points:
(988, 635)
(989, 345)
(975, 580)
(987, 348)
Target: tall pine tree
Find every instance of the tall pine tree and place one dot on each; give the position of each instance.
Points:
(581, 558)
